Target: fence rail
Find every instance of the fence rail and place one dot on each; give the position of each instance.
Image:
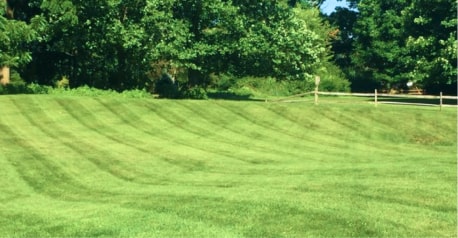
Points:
(379, 98)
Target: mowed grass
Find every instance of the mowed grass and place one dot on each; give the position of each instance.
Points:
(83, 166)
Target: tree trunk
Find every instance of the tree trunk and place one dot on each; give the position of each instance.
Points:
(5, 75)
(9, 11)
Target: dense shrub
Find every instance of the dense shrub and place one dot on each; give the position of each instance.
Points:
(222, 82)
(16, 85)
(16, 88)
(166, 87)
(34, 88)
(94, 92)
(195, 93)
(333, 79)
(19, 88)
(262, 87)
(82, 91)
(334, 84)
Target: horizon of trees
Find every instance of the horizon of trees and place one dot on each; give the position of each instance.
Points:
(386, 44)
(133, 44)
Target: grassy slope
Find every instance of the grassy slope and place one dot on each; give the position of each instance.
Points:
(80, 166)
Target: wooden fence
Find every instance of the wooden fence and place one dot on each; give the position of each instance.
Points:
(379, 98)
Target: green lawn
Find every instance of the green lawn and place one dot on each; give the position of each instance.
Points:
(107, 166)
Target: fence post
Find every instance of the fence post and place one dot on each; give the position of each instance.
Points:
(375, 97)
(317, 83)
(440, 102)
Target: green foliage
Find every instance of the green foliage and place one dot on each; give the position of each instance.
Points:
(401, 41)
(344, 20)
(16, 85)
(264, 87)
(94, 92)
(83, 91)
(15, 78)
(117, 44)
(13, 89)
(22, 88)
(114, 43)
(33, 88)
(14, 35)
(96, 45)
(194, 93)
(379, 46)
(222, 81)
(284, 45)
(432, 44)
(332, 79)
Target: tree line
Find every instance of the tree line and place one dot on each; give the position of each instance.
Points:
(387, 44)
(183, 44)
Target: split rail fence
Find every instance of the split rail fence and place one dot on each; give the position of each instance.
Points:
(380, 98)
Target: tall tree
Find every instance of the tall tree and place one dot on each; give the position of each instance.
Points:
(14, 35)
(343, 19)
(379, 44)
(258, 38)
(117, 43)
(431, 41)
(100, 45)
(278, 42)
(400, 41)
(332, 78)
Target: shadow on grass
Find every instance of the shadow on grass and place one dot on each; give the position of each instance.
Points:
(231, 96)
(417, 101)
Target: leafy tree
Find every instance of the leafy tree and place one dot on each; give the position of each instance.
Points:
(332, 78)
(398, 41)
(379, 45)
(307, 3)
(278, 42)
(257, 38)
(99, 45)
(14, 35)
(55, 51)
(213, 27)
(120, 44)
(342, 45)
(431, 42)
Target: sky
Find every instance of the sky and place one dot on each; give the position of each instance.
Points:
(329, 5)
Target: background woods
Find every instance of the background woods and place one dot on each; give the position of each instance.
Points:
(385, 44)
(146, 44)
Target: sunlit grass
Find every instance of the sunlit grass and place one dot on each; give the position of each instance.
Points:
(83, 166)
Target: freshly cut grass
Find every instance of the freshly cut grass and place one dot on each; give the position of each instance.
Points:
(84, 166)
